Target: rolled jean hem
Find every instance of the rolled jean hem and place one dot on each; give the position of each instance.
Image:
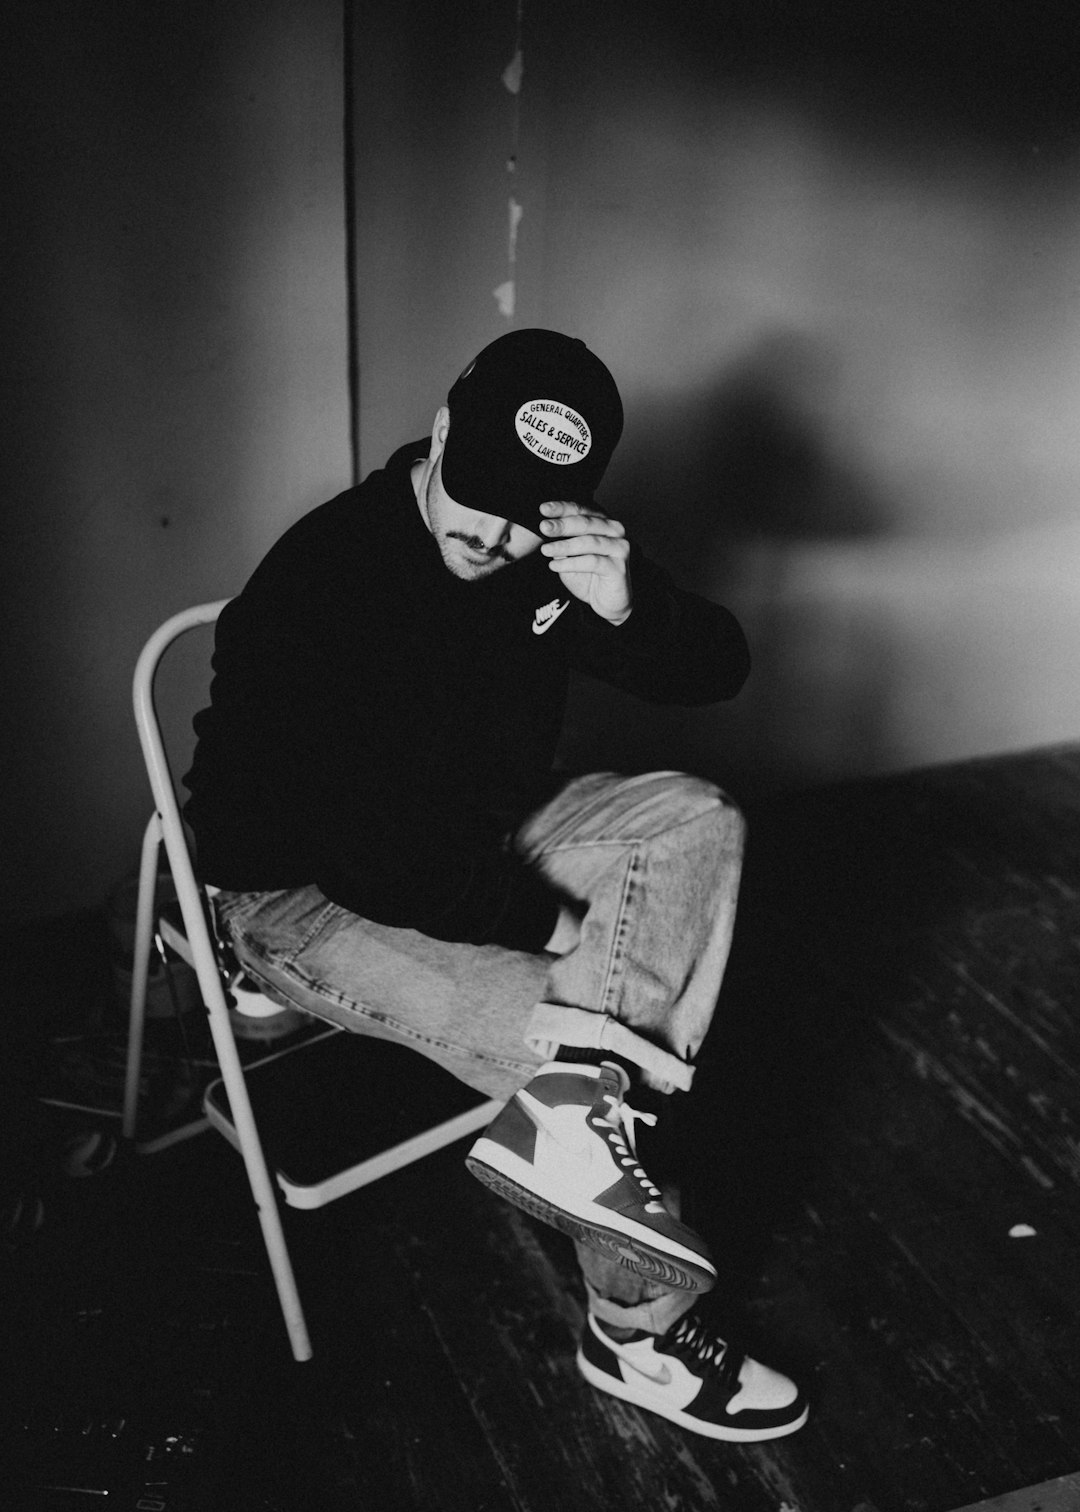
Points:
(554, 1024)
(654, 1315)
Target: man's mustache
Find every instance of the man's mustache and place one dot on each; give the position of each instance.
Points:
(480, 547)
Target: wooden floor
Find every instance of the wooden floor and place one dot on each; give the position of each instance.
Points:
(884, 1144)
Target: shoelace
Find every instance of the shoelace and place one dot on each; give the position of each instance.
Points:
(696, 1340)
(620, 1121)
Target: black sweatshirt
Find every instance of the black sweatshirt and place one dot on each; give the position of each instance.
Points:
(377, 725)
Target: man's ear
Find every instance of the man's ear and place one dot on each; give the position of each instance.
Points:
(439, 432)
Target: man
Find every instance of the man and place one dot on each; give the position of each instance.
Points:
(373, 792)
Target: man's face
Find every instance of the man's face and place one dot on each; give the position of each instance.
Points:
(472, 544)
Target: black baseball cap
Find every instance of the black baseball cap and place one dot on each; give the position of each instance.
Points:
(535, 416)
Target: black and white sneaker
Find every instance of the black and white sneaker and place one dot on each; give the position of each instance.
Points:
(694, 1378)
(563, 1149)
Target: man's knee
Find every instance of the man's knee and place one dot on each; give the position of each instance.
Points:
(694, 799)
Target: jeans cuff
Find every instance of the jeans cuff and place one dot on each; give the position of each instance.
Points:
(655, 1314)
(552, 1024)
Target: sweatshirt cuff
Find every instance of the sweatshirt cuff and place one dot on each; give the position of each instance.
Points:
(648, 622)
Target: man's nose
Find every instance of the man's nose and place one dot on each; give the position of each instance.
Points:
(493, 531)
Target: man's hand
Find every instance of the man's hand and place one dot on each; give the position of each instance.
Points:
(591, 555)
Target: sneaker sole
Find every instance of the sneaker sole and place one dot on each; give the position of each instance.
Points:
(615, 1386)
(628, 1249)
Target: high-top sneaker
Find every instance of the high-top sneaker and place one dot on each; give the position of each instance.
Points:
(563, 1149)
(695, 1378)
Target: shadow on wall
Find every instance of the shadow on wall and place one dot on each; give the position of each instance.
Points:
(718, 485)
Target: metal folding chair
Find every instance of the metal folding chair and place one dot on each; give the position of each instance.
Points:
(228, 1103)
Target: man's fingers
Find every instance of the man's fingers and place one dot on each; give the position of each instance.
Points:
(614, 548)
(588, 563)
(557, 507)
(604, 562)
(582, 524)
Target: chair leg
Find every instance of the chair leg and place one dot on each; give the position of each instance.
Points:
(263, 1188)
(140, 968)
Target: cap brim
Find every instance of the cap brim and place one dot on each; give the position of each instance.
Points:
(507, 497)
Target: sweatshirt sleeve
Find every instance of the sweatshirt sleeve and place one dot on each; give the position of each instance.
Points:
(675, 648)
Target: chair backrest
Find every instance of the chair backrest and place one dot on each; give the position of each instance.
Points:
(167, 825)
(147, 721)
(158, 768)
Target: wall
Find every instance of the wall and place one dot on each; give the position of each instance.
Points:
(831, 253)
(176, 373)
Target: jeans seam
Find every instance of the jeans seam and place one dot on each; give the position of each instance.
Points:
(313, 930)
(613, 974)
(323, 990)
(287, 958)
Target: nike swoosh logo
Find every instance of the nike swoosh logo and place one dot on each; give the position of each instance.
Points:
(662, 1377)
(547, 616)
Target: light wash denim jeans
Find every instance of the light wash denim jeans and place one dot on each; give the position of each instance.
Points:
(653, 863)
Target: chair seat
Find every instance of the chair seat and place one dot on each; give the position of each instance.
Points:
(347, 1109)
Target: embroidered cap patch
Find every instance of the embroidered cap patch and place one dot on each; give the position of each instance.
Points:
(553, 432)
